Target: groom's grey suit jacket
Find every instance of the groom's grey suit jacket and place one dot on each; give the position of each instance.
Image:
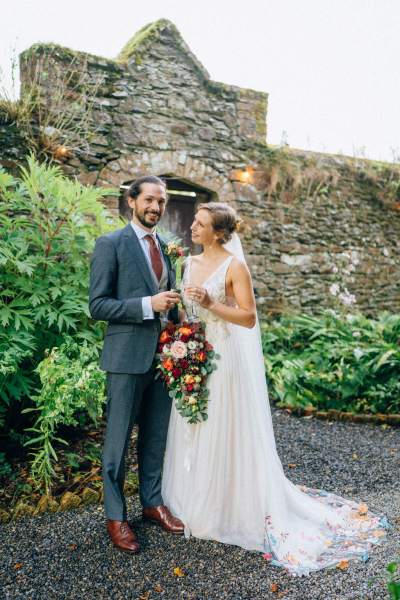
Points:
(120, 276)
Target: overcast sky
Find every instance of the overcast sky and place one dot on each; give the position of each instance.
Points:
(331, 68)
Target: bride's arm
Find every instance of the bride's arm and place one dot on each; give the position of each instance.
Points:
(245, 312)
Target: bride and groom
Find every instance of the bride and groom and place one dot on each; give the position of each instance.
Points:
(221, 479)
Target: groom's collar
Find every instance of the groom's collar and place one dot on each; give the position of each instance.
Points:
(141, 233)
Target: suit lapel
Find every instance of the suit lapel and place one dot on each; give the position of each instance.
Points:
(167, 261)
(138, 256)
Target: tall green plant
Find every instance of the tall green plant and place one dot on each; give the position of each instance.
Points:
(48, 225)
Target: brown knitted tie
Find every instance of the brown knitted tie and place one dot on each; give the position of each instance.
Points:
(155, 257)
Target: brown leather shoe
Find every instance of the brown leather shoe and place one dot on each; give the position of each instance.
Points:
(161, 515)
(122, 536)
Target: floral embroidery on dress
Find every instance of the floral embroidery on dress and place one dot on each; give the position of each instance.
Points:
(349, 533)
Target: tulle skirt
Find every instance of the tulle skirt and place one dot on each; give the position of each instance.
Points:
(223, 477)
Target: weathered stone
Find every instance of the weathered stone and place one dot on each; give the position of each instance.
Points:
(43, 504)
(89, 496)
(4, 516)
(69, 500)
(157, 111)
(22, 510)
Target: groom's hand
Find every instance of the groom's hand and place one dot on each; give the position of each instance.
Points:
(164, 301)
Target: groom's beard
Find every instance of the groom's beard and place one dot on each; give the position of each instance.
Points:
(148, 223)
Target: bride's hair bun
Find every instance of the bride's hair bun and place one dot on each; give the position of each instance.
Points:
(224, 219)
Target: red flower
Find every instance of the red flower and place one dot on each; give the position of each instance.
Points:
(190, 387)
(184, 338)
(176, 373)
(184, 364)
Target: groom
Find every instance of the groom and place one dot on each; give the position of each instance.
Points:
(130, 279)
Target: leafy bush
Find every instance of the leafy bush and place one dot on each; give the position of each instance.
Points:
(393, 584)
(72, 387)
(335, 361)
(48, 225)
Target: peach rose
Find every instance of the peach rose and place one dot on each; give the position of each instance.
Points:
(178, 350)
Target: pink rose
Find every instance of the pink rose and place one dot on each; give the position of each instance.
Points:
(178, 350)
(267, 556)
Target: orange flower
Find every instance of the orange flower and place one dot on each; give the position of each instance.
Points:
(189, 379)
(168, 364)
(185, 330)
(202, 356)
(164, 337)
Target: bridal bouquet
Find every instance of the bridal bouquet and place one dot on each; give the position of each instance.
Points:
(184, 361)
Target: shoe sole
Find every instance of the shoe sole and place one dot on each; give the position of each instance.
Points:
(126, 550)
(154, 522)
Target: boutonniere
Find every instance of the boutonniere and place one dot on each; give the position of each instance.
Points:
(174, 251)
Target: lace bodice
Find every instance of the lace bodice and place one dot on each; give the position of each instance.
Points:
(217, 328)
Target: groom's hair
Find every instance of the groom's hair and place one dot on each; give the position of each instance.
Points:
(135, 187)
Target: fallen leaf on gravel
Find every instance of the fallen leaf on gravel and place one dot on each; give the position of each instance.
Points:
(145, 596)
(363, 509)
(378, 533)
(355, 456)
(178, 572)
(18, 566)
(158, 588)
(274, 587)
(72, 546)
(292, 465)
(343, 564)
(281, 594)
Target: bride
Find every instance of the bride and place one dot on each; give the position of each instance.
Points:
(223, 477)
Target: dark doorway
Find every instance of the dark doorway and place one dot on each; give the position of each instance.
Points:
(184, 197)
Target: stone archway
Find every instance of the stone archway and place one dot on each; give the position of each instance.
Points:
(184, 198)
(177, 164)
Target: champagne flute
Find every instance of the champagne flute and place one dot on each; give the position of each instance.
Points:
(192, 308)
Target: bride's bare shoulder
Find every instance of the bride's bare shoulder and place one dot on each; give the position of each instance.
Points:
(238, 266)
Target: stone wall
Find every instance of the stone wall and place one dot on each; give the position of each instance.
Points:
(296, 236)
(155, 109)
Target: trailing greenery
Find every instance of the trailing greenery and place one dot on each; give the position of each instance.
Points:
(335, 361)
(48, 225)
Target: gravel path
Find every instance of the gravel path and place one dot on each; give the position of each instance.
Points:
(68, 555)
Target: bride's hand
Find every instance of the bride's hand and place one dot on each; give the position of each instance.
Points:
(199, 295)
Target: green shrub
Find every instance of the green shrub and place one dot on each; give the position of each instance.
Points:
(345, 362)
(72, 388)
(393, 584)
(48, 225)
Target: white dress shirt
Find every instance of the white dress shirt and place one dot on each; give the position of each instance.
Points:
(141, 233)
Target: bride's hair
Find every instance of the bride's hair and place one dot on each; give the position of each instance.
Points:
(224, 219)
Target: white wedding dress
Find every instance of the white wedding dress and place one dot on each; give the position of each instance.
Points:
(223, 477)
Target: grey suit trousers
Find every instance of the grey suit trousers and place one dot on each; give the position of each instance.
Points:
(145, 400)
